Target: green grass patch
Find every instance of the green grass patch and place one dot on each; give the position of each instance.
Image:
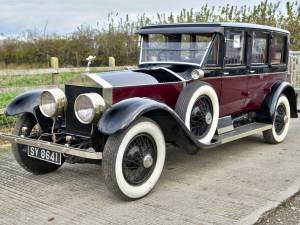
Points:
(5, 98)
(6, 122)
(34, 80)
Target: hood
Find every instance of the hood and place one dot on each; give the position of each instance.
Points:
(125, 78)
(114, 79)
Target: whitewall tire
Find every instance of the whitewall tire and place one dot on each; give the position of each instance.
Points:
(281, 122)
(133, 160)
(187, 104)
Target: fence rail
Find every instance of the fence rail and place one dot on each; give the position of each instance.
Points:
(31, 72)
(13, 82)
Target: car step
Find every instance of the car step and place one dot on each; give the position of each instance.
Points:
(243, 131)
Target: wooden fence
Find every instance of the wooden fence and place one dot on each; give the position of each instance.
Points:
(294, 69)
(31, 72)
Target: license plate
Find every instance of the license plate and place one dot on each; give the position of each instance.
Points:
(44, 154)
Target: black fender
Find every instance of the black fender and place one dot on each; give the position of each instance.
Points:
(28, 103)
(122, 114)
(24, 103)
(268, 108)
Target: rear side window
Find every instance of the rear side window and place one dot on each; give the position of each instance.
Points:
(259, 48)
(235, 48)
(277, 50)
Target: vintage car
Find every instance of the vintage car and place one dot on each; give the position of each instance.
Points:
(197, 86)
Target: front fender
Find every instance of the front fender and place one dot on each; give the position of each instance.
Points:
(121, 115)
(23, 103)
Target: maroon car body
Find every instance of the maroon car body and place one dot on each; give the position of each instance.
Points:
(197, 86)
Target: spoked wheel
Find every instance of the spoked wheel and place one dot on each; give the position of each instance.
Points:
(133, 159)
(201, 116)
(198, 107)
(281, 122)
(139, 159)
(33, 131)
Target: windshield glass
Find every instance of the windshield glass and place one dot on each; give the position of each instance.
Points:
(175, 48)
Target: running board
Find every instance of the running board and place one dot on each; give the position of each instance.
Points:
(244, 131)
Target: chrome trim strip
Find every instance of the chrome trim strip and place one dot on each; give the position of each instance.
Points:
(244, 75)
(169, 63)
(170, 71)
(96, 77)
(107, 87)
(52, 146)
(108, 95)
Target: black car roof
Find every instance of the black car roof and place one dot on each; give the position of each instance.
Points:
(204, 28)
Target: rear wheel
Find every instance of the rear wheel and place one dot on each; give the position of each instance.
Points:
(133, 159)
(32, 165)
(198, 106)
(281, 122)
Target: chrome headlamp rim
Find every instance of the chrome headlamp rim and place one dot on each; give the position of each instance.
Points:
(98, 105)
(59, 98)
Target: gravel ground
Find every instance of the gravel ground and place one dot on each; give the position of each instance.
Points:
(288, 213)
(232, 184)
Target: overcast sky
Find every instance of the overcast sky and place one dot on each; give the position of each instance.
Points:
(63, 16)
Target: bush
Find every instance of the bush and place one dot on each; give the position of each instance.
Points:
(118, 37)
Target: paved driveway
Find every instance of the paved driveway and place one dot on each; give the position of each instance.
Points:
(232, 184)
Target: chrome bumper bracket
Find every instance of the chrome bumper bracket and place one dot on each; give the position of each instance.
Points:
(52, 146)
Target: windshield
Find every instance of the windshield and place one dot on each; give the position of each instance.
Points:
(175, 48)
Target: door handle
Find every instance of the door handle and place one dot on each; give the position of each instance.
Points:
(252, 71)
(226, 73)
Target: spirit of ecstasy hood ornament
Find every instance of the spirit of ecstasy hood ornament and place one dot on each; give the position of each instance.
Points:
(89, 59)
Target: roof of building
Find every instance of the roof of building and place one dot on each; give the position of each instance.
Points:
(204, 28)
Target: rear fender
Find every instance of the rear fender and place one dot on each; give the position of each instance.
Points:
(122, 114)
(268, 108)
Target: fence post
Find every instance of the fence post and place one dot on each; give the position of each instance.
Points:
(111, 62)
(55, 75)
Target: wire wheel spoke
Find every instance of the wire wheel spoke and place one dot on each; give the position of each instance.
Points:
(279, 122)
(133, 167)
(201, 116)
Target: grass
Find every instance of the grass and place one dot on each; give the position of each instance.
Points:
(23, 81)
(6, 122)
(5, 98)
(34, 80)
(30, 82)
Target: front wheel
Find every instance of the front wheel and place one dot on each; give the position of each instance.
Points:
(19, 151)
(133, 159)
(281, 122)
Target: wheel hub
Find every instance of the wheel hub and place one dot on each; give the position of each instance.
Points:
(139, 159)
(208, 118)
(281, 119)
(147, 161)
(286, 119)
(201, 116)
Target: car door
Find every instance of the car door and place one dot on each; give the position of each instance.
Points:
(258, 70)
(235, 74)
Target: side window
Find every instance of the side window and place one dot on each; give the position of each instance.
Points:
(259, 48)
(213, 57)
(186, 45)
(235, 48)
(277, 50)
